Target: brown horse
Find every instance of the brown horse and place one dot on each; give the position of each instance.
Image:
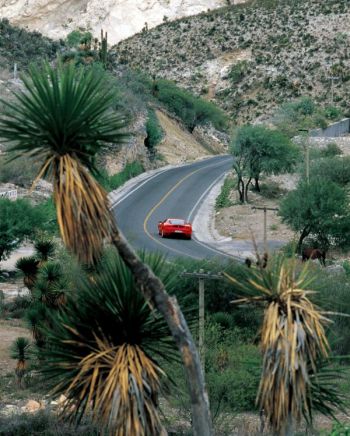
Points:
(314, 253)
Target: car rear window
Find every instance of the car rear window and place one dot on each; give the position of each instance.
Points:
(177, 222)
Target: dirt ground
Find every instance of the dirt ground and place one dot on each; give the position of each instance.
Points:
(242, 221)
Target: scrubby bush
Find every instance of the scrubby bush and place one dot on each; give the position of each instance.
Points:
(304, 114)
(75, 38)
(154, 132)
(223, 199)
(193, 111)
(131, 169)
(332, 149)
(15, 308)
(336, 170)
(23, 47)
(42, 423)
(333, 294)
(333, 112)
(20, 220)
(232, 371)
(237, 72)
(21, 171)
(271, 190)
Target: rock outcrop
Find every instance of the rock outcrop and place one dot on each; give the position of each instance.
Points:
(120, 18)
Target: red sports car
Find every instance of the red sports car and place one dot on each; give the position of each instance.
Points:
(174, 226)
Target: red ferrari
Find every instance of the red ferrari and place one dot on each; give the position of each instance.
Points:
(174, 226)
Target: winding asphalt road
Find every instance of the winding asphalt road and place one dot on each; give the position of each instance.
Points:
(176, 193)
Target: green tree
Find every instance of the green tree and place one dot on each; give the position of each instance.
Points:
(18, 220)
(319, 208)
(257, 150)
(64, 117)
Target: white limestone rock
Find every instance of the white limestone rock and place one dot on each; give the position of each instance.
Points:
(120, 18)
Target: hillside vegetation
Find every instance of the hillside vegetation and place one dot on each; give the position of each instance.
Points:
(252, 58)
(22, 47)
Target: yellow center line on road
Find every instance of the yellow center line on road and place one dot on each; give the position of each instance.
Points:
(155, 207)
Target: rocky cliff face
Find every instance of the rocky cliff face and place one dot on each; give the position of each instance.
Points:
(120, 18)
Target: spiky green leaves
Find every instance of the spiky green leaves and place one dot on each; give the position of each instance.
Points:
(20, 352)
(64, 117)
(20, 348)
(105, 350)
(62, 111)
(44, 249)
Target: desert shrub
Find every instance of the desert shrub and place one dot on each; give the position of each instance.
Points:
(237, 72)
(271, 190)
(304, 114)
(21, 171)
(15, 308)
(43, 423)
(336, 170)
(47, 210)
(320, 121)
(76, 37)
(132, 169)
(223, 199)
(333, 112)
(193, 111)
(332, 149)
(23, 47)
(20, 220)
(154, 132)
(333, 294)
(232, 370)
(232, 373)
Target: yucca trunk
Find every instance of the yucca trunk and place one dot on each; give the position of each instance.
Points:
(20, 370)
(29, 281)
(85, 221)
(81, 205)
(154, 291)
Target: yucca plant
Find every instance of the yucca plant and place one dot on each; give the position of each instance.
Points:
(106, 349)
(293, 343)
(64, 117)
(29, 267)
(20, 352)
(36, 317)
(51, 285)
(44, 250)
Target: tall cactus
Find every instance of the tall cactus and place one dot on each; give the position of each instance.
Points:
(103, 53)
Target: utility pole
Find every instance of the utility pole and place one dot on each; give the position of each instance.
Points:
(201, 276)
(265, 209)
(15, 71)
(307, 153)
(332, 78)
